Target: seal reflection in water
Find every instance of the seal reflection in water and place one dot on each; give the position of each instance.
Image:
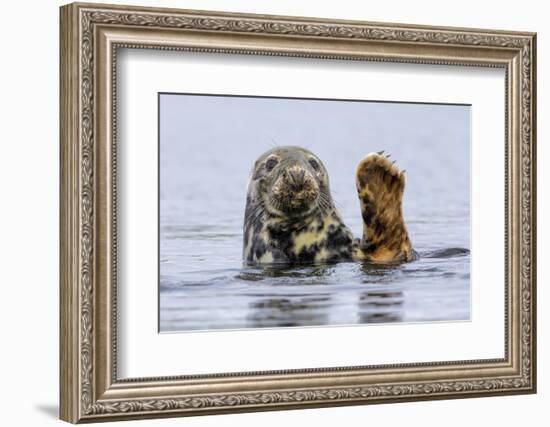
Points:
(290, 217)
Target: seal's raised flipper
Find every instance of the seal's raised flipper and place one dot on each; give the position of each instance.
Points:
(380, 186)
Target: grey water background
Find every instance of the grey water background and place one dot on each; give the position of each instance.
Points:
(208, 145)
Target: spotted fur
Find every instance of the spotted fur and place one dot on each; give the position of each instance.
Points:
(290, 217)
(380, 186)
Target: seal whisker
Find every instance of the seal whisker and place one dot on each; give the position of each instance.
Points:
(256, 214)
(325, 200)
(253, 214)
(273, 142)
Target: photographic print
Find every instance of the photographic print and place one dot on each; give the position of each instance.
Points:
(293, 212)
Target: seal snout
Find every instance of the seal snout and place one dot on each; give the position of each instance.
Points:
(295, 190)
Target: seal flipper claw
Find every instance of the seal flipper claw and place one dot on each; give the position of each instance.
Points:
(380, 187)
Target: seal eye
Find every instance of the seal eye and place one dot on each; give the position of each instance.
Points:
(270, 164)
(314, 164)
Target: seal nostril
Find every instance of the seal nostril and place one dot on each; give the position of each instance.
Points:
(296, 177)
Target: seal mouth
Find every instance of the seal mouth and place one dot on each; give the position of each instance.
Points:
(291, 204)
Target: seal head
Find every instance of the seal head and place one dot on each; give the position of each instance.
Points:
(291, 182)
(289, 210)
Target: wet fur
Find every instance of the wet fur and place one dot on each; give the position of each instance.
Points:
(380, 186)
(290, 217)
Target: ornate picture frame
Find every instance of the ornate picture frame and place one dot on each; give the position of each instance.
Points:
(90, 37)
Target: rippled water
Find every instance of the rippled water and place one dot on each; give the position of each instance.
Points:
(204, 168)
